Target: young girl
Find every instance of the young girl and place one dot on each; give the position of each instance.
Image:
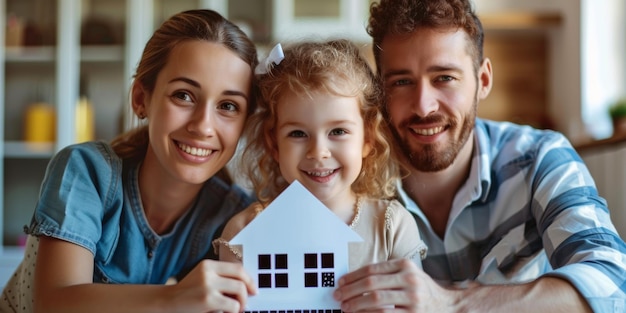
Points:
(319, 123)
(115, 222)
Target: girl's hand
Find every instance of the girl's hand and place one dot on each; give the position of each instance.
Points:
(215, 286)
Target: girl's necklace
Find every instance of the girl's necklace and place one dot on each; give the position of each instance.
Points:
(357, 212)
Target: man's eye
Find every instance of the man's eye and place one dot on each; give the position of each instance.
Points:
(445, 78)
(401, 82)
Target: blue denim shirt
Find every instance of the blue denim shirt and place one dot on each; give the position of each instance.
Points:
(90, 197)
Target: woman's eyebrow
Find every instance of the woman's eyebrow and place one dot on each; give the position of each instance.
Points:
(197, 85)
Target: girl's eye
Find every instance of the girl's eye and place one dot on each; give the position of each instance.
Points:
(228, 106)
(338, 132)
(297, 133)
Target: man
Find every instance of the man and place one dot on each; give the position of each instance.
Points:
(510, 214)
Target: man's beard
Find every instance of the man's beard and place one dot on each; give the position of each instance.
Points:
(435, 157)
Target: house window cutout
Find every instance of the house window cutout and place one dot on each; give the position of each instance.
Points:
(328, 260)
(313, 262)
(276, 270)
(310, 260)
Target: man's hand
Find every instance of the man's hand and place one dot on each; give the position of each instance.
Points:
(401, 285)
(396, 283)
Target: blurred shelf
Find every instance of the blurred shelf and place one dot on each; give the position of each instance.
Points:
(520, 20)
(109, 53)
(102, 53)
(615, 141)
(29, 54)
(28, 150)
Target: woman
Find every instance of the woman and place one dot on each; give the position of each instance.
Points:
(115, 222)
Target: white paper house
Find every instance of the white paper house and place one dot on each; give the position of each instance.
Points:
(296, 249)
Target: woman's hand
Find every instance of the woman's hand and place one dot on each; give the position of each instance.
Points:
(215, 286)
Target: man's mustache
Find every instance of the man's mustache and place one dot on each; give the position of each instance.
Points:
(430, 119)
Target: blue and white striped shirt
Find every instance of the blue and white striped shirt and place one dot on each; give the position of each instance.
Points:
(529, 208)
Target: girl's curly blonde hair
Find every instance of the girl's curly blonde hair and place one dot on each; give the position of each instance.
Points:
(335, 67)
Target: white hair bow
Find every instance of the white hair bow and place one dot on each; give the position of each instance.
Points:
(274, 58)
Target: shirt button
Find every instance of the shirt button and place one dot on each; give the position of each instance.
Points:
(150, 254)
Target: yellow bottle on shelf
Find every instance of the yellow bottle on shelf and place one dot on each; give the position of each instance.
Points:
(84, 120)
(40, 123)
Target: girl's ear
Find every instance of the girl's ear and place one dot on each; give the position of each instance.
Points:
(138, 98)
(368, 142)
(367, 148)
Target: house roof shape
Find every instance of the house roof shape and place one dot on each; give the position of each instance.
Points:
(297, 217)
(296, 222)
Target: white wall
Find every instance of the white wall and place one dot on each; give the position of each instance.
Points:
(603, 62)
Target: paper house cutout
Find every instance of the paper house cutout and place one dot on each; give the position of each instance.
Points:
(296, 249)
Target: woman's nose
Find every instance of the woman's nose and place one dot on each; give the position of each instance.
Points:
(202, 123)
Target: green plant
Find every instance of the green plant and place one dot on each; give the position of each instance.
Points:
(618, 109)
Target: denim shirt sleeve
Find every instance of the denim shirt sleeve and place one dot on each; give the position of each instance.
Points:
(80, 182)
